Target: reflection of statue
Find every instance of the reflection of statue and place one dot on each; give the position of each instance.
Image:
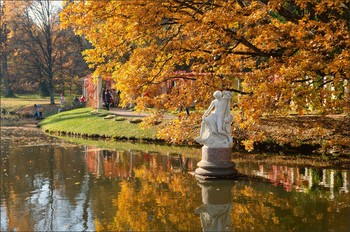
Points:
(216, 125)
(217, 206)
(215, 217)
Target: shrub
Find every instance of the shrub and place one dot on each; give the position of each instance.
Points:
(70, 105)
(135, 120)
(119, 118)
(110, 116)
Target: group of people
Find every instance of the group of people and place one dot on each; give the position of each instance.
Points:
(75, 100)
(82, 100)
(110, 98)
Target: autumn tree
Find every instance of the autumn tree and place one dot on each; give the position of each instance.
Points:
(19, 72)
(4, 37)
(40, 26)
(31, 26)
(278, 56)
(41, 56)
(70, 65)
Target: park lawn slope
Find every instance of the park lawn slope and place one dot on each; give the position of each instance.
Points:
(82, 122)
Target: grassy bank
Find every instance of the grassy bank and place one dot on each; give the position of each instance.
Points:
(83, 123)
(304, 134)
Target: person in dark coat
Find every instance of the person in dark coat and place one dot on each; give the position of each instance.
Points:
(107, 99)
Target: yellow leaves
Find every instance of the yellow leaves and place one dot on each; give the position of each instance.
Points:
(248, 144)
(160, 188)
(248, 192)
(275, 220)
(182, 129)
(234, 25)
(150, 121)
(142, 43)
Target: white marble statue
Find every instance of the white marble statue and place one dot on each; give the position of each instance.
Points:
(216, 125)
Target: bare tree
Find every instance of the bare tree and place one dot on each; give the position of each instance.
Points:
(40, 31)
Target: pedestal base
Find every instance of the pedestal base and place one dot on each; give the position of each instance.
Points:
(216, 163)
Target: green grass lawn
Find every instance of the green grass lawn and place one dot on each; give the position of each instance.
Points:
(81, 121)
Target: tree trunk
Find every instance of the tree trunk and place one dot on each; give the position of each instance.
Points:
(49, 54)
(4, 74)
(3, 42)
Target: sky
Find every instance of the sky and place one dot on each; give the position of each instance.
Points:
(57, 2)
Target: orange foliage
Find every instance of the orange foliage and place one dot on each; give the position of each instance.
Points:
(278, 56)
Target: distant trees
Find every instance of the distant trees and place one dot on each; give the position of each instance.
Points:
(42, 56)
(4, 34)
(39, 29)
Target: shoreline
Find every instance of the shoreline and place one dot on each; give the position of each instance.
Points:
(310, 146)
(238, 156)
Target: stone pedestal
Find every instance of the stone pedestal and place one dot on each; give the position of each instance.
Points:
(216, 163)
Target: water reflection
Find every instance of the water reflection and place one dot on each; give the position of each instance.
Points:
(121, 164)
(60, 187)
(44, 187)
(303, 179)
(154, 191)
(217, 205)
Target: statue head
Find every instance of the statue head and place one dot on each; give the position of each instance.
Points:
(217, 94)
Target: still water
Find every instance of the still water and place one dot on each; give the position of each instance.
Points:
(48, 184)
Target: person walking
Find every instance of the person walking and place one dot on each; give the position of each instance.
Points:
(82, 99)
(107, 99)
(40, 110)
(61, 98)
(36, 112)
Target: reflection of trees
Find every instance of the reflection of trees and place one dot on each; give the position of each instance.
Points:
(267, 208)
(54, 188)
(45, 184)
(316, 199)
(121, 164)
(29, 184)
(302, 179)
(152, 200)
(180, 163)
(169, 213)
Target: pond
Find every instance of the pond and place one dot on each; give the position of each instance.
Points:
(49, 184)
